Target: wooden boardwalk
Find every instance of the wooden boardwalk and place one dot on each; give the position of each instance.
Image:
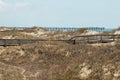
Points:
(95, 38)
(74, 40)
(18, 42)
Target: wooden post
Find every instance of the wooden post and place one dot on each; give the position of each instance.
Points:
(87, 39)
(101, 40)
(74, 42)
(118, 37)
(97, 39)
(113, 38)
(19, 42)
(84, 40)
(5, 43)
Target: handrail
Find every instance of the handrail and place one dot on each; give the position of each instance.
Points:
(92, 35)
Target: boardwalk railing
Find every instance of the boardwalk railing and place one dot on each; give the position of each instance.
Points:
(73, 40)
(95, 38)
(18, 42)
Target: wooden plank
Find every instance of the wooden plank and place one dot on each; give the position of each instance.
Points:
(83, 39)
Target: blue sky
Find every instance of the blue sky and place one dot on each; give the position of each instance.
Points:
(77, 13)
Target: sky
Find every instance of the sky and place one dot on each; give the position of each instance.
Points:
(60, 13)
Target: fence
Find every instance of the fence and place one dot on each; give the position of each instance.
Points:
(76, 28)
(73, 40)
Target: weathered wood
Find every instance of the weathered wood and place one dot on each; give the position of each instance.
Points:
(88, 39)
(92, 36)
(97, 38)
(101, 38)
(83, 39)
(113, 38)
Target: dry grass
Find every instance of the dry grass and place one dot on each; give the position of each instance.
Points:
(62, 61)
(59, 60)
